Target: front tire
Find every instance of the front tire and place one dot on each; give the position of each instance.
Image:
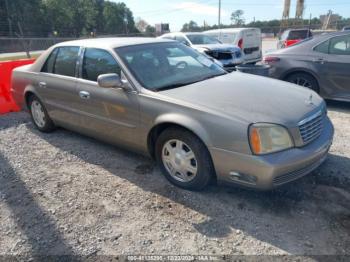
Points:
(304, 80)
(184, 159)
(39, 115)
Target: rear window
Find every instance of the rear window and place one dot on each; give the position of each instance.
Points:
(66, 61)
(299, 34)
(197, 39)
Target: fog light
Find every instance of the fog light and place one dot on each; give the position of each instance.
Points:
(242, 177)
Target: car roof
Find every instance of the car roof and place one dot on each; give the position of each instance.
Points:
(331, 34)
(233, 30)
(114, 42)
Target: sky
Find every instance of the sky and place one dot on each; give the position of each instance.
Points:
(178, 12)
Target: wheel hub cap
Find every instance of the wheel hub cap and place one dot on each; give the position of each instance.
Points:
(38, 114)
(179, 160)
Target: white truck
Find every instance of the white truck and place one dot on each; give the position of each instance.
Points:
(248, 39)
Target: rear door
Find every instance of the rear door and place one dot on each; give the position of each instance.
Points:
(334, 64)
(108, 113)
(57, 84)
(252, 44)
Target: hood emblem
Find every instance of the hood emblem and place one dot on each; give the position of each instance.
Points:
(310, 101)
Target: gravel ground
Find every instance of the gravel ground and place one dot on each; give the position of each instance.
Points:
(63, 193)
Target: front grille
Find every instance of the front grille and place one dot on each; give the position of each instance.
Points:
(219, 55)
(224, 56)
(248, 51)
(311, 128)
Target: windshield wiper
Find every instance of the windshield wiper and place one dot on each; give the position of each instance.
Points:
(172, 86)
(187, 83)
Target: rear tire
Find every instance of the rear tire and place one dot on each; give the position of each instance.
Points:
(184, 159)
(39, 115)
(305, 80)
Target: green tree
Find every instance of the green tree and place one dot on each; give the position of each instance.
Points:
(192, 26)
(237, 17)
(150, 30)
(118, 19)
(22, 17)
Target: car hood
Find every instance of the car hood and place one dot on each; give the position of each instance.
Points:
(250, 98)
(218, 47)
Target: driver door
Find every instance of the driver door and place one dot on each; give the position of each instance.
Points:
(107, 113)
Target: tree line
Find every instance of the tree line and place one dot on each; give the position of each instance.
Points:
(270, 26)
(64, 18)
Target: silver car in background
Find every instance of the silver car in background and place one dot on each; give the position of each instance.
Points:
(166, 100)
(321, 63)
(228, 55)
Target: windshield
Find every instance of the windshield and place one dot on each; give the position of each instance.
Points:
(162, 66)
(198, 39)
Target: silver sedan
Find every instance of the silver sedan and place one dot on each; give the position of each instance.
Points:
(163, 99)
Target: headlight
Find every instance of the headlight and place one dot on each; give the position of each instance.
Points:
(269, 138)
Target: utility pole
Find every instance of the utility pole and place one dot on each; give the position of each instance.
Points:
(308, 33)
(219, 22)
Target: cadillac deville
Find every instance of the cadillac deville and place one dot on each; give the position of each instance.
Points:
(164, 99)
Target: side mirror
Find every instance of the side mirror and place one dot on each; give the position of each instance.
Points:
(113, 80)
(109, 81)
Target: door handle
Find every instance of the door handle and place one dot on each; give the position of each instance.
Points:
(319, 61)
(42, 84)
(84, 95)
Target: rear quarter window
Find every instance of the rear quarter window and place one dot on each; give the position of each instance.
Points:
(323, 47)
(50, 62)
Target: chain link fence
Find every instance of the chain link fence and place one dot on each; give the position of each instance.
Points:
(27, 45)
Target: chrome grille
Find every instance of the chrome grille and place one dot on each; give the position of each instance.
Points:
(311, 127)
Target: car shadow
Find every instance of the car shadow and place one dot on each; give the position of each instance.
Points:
(283, 218)
(36, 225)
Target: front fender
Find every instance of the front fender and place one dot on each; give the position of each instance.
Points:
(187, 122)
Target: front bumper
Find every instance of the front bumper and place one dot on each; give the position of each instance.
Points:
(269, 171)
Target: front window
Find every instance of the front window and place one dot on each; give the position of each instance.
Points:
(98, 62)
(167, 65)
(199, 39)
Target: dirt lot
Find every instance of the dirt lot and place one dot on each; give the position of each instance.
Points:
(63, 193)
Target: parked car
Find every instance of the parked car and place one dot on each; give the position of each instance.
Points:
(229, 55)
(346, 28)
(166, 100)
(320, 63)
(248, 39)
(292, 36)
